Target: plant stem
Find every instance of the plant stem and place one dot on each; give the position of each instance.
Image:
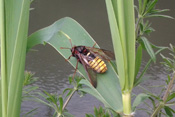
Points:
(161, 104)
(170, 85)
(68, 99)
(126, 104)
(137, 26)
(4, 87)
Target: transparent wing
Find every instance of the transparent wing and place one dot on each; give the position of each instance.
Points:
(104, 54)
(90, 72)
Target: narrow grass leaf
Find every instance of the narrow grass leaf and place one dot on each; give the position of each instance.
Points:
(130, 40)
(158, 15)
(139, 79)
(60, 103)
(4, 81)
(31, 113)
(145, 2)
(150, 6)
(17, 17)
(138, 60)
(168, 111)
(170, 97)
(140, 6)
(44, 102)
(117, 42)
(0, 100)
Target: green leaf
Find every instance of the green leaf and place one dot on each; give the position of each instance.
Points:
(14, 17)
(108, 84)
(153, 102)
(70, 91)
(44, 102)
(0, 99)
(155, 11)
(140, 78)
(31, 113)
(168, 111)
(149, 48)
(167, 62)
(117, 41)
(122, 25)
(61, 103)
(145, 2)
(170, 97)
(140, 6)
(150, 7)
(102, 96)
(138, 60)
(158, 15)
(139, 99)
(66, 114)
(89, 115)
(172, 110)
(168, 80)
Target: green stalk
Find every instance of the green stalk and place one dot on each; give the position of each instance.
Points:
(68, 99)
(14, 16)
(126, 103)
(122, 24)
(4, 89)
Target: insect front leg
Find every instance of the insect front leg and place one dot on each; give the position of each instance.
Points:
(94, 44)
(68, 58)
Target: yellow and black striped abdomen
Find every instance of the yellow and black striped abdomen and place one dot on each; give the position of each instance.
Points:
(98, 65)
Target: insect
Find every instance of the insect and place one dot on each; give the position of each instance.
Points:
(93, 60)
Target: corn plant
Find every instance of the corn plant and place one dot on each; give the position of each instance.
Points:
(122, 25)
(14, 17)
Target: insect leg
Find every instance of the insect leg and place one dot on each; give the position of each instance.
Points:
(94, 44)
(75, 69)
(68, 58)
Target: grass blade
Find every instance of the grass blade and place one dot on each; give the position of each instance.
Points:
(130, 40)
(117, 44)
(16, 39)
(138, 60)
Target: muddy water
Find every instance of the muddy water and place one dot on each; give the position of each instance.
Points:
(52, 69)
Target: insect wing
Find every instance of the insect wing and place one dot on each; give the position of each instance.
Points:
(91, 74)
(104, 54)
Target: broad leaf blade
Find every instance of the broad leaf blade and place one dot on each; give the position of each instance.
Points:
(139, 99)
(108, 85)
